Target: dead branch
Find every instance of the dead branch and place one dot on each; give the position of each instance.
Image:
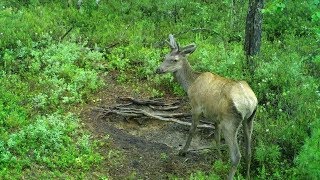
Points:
(112, 45)
(166, 108)
(172, 115)
(222, 147)
(65, 34)
(160, 116)
(150, 108)
(155, 102)
(116, 43)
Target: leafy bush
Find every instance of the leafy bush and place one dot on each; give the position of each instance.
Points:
(41, 76)
(64, 72)
(285, 17)
(12, 114)
(219, 170)
(57, 76)
(268, 157)
(54, 142)
(308, 158)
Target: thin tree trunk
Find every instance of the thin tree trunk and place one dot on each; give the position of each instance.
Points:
(253, 33)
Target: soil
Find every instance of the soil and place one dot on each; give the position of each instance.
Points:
(148, 149)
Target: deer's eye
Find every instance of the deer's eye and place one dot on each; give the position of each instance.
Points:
(173, 60)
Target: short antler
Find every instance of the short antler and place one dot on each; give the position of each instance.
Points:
(173, 44)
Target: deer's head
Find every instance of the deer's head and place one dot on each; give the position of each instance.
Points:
(173, 61)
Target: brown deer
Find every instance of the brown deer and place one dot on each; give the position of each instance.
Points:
(226, 102)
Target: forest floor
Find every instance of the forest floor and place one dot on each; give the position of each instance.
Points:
(144, 149)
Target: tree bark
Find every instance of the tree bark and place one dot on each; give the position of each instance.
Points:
(253, 32)
(253, 28)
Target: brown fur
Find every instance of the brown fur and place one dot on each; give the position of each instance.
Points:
(224, 101)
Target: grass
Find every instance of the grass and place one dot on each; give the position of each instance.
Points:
(43, 76)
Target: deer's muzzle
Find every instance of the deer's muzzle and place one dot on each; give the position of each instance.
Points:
(159, 71)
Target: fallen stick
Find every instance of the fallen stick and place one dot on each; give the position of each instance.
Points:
(148, 101)
(176, 120)
(151, 108)
(166, 108)
(222, 147)
(132, 112)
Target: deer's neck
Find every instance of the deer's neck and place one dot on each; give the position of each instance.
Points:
(185, 76)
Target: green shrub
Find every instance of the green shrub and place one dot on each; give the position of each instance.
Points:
(12, 114)
(41, 76)
(219, 171)
(217, 59)
(309, 156)
(53, 142)
(303, 17)
(268, 157)
(68, 71)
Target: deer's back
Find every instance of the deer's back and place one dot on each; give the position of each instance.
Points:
(215, 96)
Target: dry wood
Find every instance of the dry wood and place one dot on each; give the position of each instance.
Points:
(166, 108)
(222, 147)
(156, 102)
(155, 109)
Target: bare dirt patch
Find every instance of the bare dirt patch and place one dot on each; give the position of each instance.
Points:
(149, 147)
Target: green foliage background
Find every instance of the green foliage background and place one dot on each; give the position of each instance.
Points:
(42, 76)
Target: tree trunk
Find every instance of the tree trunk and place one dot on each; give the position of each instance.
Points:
(253, 32)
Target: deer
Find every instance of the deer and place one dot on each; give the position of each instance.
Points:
(225, 102)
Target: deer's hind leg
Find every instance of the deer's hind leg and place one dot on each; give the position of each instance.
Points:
(248, 127)
(229, 129)
(217, 138)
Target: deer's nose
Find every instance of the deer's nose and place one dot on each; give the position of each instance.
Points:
(159, 71)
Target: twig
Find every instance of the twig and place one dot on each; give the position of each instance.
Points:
(65, 34)
(172, 115)
(112, 45)
(222, 147)
(167, 108)
(147, 102)
(175, 120)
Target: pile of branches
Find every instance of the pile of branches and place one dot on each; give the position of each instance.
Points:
(151, 109)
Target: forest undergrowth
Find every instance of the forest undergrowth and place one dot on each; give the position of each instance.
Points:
(53, 57)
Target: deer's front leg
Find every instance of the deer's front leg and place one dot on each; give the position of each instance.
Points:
(195, 122)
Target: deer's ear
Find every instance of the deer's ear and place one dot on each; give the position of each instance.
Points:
(188, 49)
